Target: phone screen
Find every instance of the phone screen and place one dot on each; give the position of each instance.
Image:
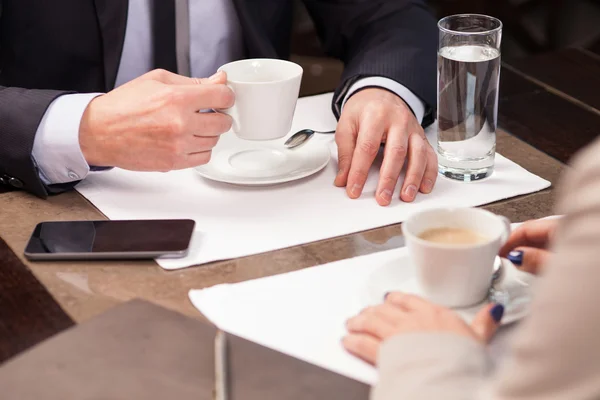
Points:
(150, 237)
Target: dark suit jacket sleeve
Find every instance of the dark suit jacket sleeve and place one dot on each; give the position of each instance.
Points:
(396, 39)
(21, 111)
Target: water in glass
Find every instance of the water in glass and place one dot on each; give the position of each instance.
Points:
(468, 77)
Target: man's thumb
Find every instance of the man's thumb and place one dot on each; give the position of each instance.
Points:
(487, 321)
(218, 78)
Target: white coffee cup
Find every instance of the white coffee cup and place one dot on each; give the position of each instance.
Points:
(455, 275)
(266, 92)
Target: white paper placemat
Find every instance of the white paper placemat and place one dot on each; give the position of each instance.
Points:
(303, 313)
(234, 221)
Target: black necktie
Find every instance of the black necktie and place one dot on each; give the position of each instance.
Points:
(163, 30)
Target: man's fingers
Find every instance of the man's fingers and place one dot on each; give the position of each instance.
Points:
(209, 124)
(200, 144)
(534, 233)
(487, 321)
(370, 133)
(417, 162)
(363, 346)
(219, 78)
(201, 97)
(169, 78)
(192, 160)
(345, 138)
(530, 259)
(394, 155)
(431, 171)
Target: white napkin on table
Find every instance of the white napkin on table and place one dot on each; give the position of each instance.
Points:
(235, 221)
(303, 313)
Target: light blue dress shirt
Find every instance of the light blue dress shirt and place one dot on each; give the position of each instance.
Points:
(215, 41)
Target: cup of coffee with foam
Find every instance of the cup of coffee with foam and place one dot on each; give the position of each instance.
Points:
(266, 92)
(453, 251)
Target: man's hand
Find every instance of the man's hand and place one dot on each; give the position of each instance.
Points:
(402, 314)
(369, 118)
(152, 123)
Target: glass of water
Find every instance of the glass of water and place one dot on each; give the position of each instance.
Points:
(468, 77)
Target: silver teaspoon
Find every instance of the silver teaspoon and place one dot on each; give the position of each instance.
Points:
(301, 137)
(497, 295)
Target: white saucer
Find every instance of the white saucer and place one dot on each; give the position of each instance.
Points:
(244, 162)
(399, 275)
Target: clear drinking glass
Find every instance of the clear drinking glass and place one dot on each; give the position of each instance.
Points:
(468, 77)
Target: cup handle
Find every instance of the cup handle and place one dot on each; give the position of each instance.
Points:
(507, 229)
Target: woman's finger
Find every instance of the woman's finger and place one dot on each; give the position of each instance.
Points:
(363, 346)
(370, 323)
(487, 321)
(408, 302)
(535, 233)
(529, 259)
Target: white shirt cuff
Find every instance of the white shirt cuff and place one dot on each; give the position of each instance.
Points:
(416, 104)
(56, 149)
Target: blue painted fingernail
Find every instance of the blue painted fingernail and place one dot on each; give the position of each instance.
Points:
(516, 257)
(497, 312)
(386, 295)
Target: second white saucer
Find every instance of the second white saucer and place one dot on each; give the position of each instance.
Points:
(244, 162)
(400, 276)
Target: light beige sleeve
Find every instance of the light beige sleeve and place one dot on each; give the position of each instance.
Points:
(555, 355)
(429, 366)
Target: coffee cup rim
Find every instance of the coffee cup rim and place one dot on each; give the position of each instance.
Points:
(428, 243)
(298, 73)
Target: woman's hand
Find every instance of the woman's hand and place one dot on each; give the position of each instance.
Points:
(527, 246)
(404, 313)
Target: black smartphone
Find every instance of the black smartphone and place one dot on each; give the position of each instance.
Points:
(94, 240)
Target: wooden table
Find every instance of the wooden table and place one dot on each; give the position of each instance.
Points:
(550, 105)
